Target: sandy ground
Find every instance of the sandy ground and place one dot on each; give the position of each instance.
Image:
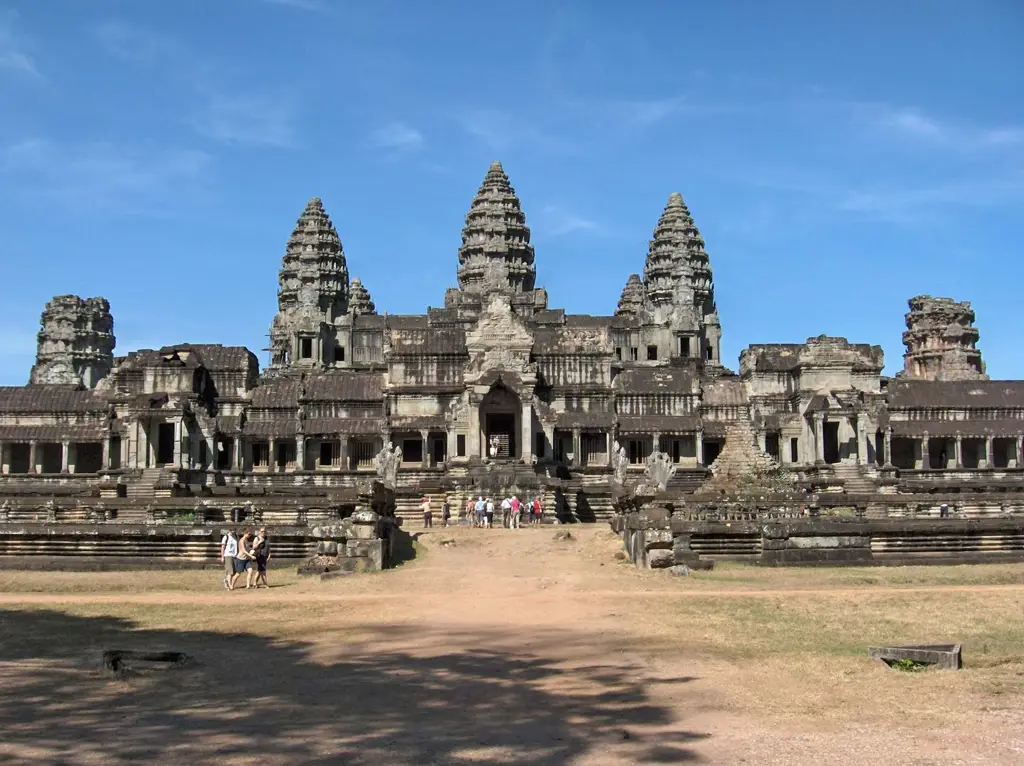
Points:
(512, 647)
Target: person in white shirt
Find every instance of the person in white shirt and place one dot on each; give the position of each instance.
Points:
(506, 510)
(489, 518)
(228, 551)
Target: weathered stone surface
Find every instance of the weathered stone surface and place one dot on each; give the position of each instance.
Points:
(680, 570)
(660, 559)
(75, 342)
(945, 656)
(631, 303)
(941, 341)
(657, 538)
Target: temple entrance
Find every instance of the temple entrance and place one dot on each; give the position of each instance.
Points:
(830, 433)
(165, 443)
(499, 418)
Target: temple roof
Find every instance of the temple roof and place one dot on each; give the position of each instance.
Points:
(213, 356)
(631, 302)
(976, 394)
(496, 252)
(359, 300)
(42, 398)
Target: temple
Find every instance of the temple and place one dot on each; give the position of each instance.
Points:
(499, 388)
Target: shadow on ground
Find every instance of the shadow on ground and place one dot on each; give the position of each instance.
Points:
(404, 695)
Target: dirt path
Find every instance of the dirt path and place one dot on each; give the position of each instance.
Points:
(506, 647)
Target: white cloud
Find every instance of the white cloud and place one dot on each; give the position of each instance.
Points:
(951, 134)
(13, 55)
(558, 222)
(102, 176)
(257, 120)
(397, 135)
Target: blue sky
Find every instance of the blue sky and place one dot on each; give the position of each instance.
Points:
(838, 157)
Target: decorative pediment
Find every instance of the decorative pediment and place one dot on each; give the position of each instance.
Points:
(500, 340)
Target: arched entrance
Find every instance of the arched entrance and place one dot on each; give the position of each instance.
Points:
(500, 411)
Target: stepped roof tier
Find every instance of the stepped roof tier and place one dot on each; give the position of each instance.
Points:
(678, 269)
(359, 301)
(941, 341)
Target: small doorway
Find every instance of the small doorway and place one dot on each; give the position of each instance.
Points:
(501, 427)
(165, 443)
(831, 439)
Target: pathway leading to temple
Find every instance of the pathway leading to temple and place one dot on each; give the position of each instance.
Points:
(492, 646)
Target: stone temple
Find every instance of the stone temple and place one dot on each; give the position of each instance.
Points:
(498, 389)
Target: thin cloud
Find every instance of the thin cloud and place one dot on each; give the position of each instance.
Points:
(223, 113)
(100, 176)
(913, 123)
(557, 222)
(502, 131)
(397, 135)
(13, 54)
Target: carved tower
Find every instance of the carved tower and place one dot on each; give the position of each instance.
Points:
(941, 341)
(313, 292)
(75, 344)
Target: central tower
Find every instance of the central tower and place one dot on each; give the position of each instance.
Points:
(496, 255)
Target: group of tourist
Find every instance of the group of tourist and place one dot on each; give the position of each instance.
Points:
(480, 512)
(248, 552)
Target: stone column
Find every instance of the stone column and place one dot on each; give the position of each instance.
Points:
(655, 442)
(344, 453)
(5, 461)
(474, 448)
(958, 452)
(610, 446)
(300, 451)
(577, 458)
(65, 456)
(700, 446)
(238, 460)
(211, 453)
(33, 456)
(990, 461)
(176, 459)
(862, 442)
(926, 460)
(819, 439)
(425, 441)
(888, 447)
(526, 431)
(272, 456)
(106, 453)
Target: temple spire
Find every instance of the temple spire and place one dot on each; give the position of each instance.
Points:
(359, 301)
(631, 303)
(496, 253)
(313, 286)
(676, 257)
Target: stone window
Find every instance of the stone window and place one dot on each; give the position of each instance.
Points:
(652, 353)
(794, 450)
(115, 452)
(339, 353)
(412, 451)
(618, 353)
(634, 354)
(20, 458)
(52, 457)
(225, 450)
(593, 449)
(305, 348)
(771, 445)
(88, 458)
(638, 450)
(709, 353)
(460, 445)
(684, 347)
(286, 452)
(539, 442)
(260, 455)
(364, 452)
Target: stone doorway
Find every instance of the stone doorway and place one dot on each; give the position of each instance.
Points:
(164, 443)
(499, 418)
(830, 437)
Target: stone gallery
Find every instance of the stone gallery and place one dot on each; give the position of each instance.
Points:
(499, 390)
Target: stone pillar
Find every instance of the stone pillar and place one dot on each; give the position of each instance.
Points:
(526, 431)
(237, 459)
(345, 453)
(549, 435)
(5, 460)
(699, 446)
(926, 460)
(272, 456)
(576, 457)
(862, 442)
(888, 447)
(958, 452)
(819, 438)
(610, 446)
(65, 456)
(425, 441)
(655, 442)
(211, 453)
(300, 451)
(473, 439)
(451, 439)
(990, 461)
(105, 464)
(33, 456)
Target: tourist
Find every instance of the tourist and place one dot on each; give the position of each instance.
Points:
(516, 508)
(446, 511)
(471, 512)
(262, 558)
(481, 511)
(538, 511)
(506, 512)
(243, 560)
(252, 573)
(428, 515)
(228, 551)
(489, 517)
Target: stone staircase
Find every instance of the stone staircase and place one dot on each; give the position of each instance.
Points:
(856, 479)
(153, 482)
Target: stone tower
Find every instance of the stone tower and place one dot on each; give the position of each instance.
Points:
(496, 255)
(678, 281)
(631, 303)
(313, 292)
(941, 341)
(75, 344)
(359, 300)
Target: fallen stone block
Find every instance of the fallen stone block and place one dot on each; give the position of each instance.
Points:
(945, 656)
(680, 570)
(661, 559)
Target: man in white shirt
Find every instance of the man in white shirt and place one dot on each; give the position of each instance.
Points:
(506, 510)
(228, 551)
(489, 517)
